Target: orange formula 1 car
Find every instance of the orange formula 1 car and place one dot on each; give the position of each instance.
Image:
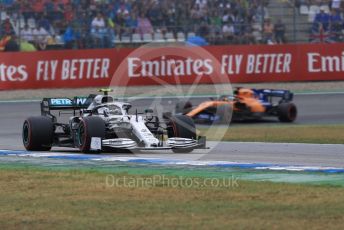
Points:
(245, 104)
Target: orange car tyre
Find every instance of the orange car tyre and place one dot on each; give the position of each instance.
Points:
(287, 112)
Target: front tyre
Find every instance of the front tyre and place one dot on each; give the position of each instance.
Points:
(37, 133)
(182, 126)
(89, 127)
(287, 112)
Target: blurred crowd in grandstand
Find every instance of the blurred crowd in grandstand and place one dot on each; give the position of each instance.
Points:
(78, 24)
(327, 20)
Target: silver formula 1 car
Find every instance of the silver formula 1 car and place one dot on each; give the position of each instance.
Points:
(99, 122)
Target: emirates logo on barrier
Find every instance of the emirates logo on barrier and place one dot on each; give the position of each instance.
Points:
(13, 73)
(168, 67)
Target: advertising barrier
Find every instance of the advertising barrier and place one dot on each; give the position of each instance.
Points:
(171, 65)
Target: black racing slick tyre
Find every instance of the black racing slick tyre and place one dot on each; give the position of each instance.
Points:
(182, 126)
(225, 113)
(89, 127)
(37, 133)
(183, 107)
(287, 112)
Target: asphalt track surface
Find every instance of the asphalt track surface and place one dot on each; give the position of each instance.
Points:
(313, 109)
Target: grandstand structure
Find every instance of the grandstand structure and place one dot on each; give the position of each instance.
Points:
(85, 24)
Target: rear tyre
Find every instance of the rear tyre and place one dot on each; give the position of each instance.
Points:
(182, 126)
(225, 113)
(89, 127)
(183, 107)
(287, 112)
(37, 133)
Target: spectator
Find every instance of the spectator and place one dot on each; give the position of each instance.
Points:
(27, 47)
(227, 17)
(53, 40)
(12, 45)
(154, 13)
(239, 24)
(228, 32)
(335, 5)
(144, 26)
(261, 13)
(97, 34)
(98, 22)
(3, 42)
(215, 20)
(201, 3)
(215, 28)
(203, 30)
(59, 13)
(40, 36)
(268, 30)
(82, 24)
(69, 37)
(320, 35)
(98, 31)
(279, 32)
(68, 13)
(196, 14)
(26, 8)
(122, 10)
(131, 23)
(323, 19)
(45, 23)
(84, 40)
(335, 21)
(26, 34)
(336, 24)
(7, 3)
(109, 37)
(6, 28)
(170, 15)
(38, 8)
(248, 37)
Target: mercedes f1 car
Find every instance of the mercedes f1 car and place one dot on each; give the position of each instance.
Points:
(245, 104)
(99, 122)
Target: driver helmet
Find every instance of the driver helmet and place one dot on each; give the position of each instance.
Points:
(101, 99)
(98, 99)
(245, 93)
(107, 99)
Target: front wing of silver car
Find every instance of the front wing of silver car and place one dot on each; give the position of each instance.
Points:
(129, 144)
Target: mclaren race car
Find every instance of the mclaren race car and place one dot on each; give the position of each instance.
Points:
(99, 122)
(245, 104)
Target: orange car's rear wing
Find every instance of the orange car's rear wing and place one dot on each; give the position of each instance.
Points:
(266, 94)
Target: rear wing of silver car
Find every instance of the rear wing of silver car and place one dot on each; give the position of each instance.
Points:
(77, 103)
